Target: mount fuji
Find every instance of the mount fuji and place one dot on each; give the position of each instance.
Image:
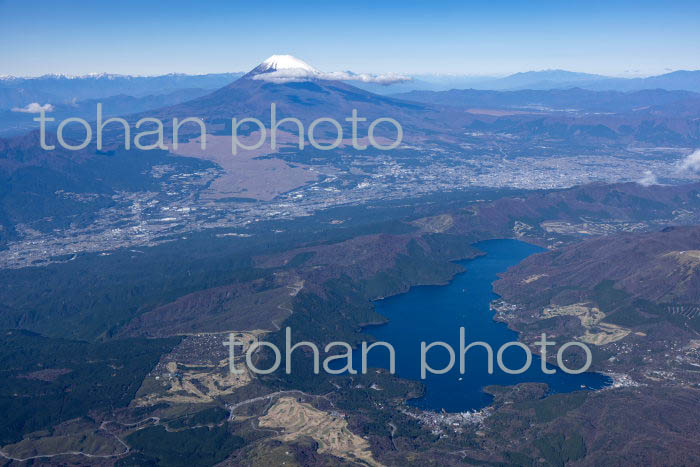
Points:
(284, 68)
(301, 91)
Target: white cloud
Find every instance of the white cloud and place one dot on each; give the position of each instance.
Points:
(691, 163)
(34, 108)
(292, 75)
(386, 79)
(298, 74)
(648, 179)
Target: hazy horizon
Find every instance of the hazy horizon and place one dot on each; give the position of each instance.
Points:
(485, 75)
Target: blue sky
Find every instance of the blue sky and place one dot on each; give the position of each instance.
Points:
(489, 37)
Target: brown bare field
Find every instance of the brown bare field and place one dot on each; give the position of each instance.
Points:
(435, 224)
(196, 382)
(248, 177)
(48, 374)
(689, 257)
(596, 332)
(330, 432)
(245, 176)
(533, 278)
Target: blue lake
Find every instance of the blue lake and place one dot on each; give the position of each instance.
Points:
(435, 313)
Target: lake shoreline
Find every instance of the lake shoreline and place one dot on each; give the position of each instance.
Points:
(384, 331)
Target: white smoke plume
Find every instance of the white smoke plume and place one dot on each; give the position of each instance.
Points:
(691, 163)
(648, 179)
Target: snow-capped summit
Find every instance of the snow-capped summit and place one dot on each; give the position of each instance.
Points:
(281, 69)
(284, 69)
(284, 62)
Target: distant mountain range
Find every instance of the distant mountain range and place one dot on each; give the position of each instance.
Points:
(572, 100)
(63, 89)
(560, 79)
(17, 120)
(76, 96)
(544, 80)
(301, 91)
(58, 89)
